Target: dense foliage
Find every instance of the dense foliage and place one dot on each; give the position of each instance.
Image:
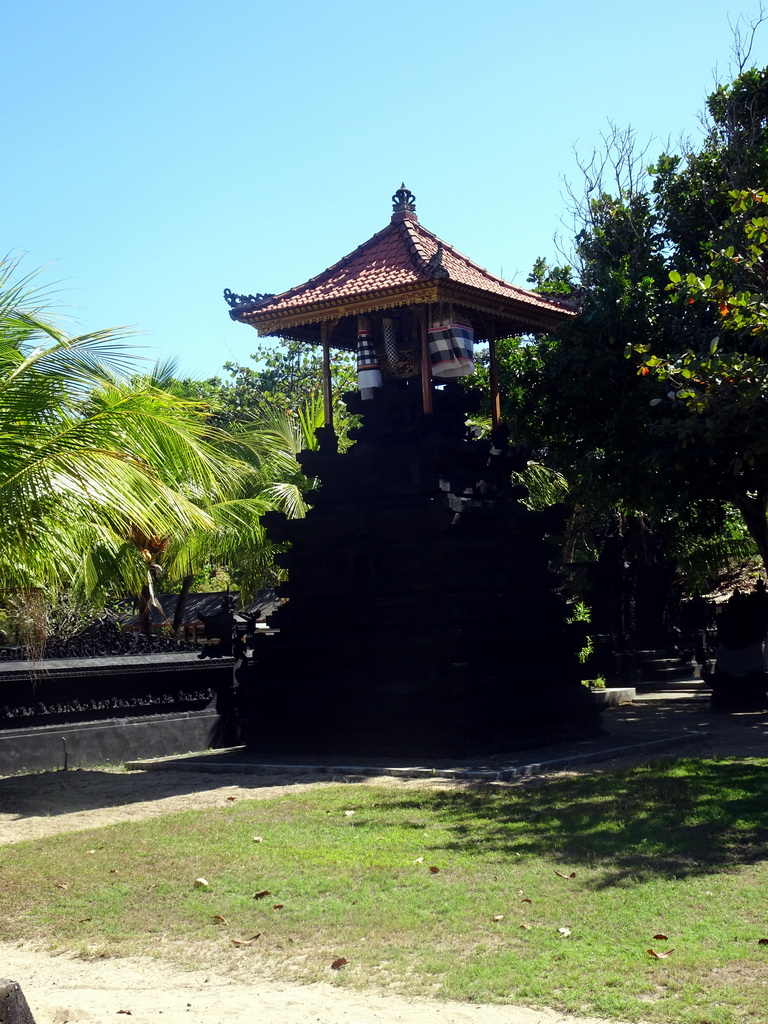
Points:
(286, 376)
(655, 399)
(111, 480)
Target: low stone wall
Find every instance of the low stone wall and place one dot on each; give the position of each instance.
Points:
(109, 710)
(116, 741)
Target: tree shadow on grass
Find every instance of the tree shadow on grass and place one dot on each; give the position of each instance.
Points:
(669, 819)
(51, 793)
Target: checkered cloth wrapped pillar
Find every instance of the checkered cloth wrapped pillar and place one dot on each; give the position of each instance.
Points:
(390, 341)
(368, 371)
(451, 350)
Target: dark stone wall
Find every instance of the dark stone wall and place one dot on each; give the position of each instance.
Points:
(109, 710)
(107, 742)
(83, 689)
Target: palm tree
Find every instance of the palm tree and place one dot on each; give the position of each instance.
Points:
(89, 459)
(272, 479)
(108, 478)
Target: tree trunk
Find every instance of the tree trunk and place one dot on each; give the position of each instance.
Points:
(753, 512)
(181, 604)
(145, 610)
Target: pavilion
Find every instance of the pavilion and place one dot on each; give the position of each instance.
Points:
(422, 616)
(406, 274)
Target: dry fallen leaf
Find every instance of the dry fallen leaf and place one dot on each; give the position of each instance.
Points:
(498, 917)
(114, 871)
(219, 919)
(258, 839)
(84, 919)
(526, 926)
(201, 883)
(762, 942)
(434, 869)
(261, 894)
(659, 935)
(660, 956)
(564, 931)
(90, 851)
(526, 899)
(561, 875)
(230, 798)
(278, 906)
(419, 860)
(62, 885)
(246, 942)
(126, 1011)
(338, 964)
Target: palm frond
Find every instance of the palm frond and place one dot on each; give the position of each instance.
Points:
(545, 486)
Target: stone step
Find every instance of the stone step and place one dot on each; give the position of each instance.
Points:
(674, 685)
(660, 664)
(653, 655)
(614, 695)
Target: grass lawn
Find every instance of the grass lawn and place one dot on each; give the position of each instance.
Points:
(455, 893)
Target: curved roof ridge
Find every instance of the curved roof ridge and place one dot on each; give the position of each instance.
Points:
(526, 293)
(420, 262)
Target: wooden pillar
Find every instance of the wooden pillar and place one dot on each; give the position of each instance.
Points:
(426, 376)
(493, 373)
(327, 392)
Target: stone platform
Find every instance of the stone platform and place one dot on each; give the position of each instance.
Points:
(652, 725)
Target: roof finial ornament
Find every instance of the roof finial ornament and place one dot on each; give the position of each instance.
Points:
(403, 201)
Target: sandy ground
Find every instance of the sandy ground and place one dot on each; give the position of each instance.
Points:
(61, 989)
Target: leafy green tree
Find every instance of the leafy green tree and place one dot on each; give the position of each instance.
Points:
(653, 399)
(270, 443)
(287, 376)
(714, 405)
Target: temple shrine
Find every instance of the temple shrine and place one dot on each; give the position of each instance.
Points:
(422, 616)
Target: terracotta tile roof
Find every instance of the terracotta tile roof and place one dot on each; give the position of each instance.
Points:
(401, 258)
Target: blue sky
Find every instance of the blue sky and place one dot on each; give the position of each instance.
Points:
(158, 152)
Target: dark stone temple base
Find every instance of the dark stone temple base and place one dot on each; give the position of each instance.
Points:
(385, 727)
(422, 616)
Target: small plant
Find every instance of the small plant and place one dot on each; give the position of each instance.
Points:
(582, 613)
(595, 684)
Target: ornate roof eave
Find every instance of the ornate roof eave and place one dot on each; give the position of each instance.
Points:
(386, 298)
(515, 314)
